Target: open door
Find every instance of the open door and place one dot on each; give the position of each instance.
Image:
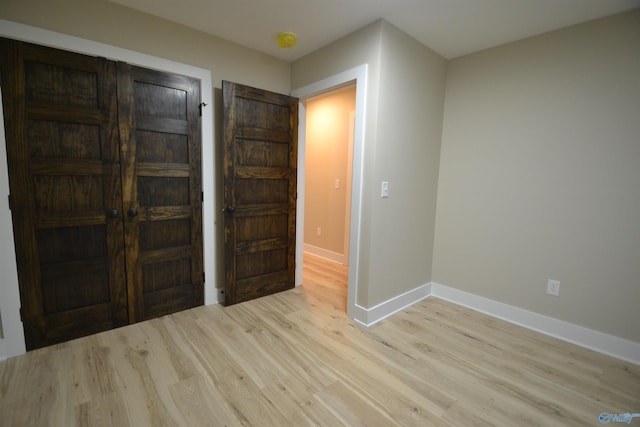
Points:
(260, 163)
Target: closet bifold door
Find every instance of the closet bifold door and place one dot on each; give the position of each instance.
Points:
(66, 201)
(159, 125)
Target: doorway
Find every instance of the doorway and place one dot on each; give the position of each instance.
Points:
(328, 167)
(356, 76)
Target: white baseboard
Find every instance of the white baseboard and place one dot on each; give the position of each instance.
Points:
(370, 316)
(324, 253)
(610, 345)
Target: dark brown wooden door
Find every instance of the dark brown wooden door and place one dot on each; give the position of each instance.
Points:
(260, 159)
(66, 202)
(162, 190)
(104, 171)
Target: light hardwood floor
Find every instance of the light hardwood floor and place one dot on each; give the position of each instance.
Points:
(294, 359)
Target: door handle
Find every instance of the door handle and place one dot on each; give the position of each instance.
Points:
(230, 209)
(132, 212)
(113, 213)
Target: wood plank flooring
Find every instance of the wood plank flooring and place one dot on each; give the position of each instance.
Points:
(294, 359)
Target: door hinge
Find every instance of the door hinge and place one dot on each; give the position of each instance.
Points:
(201, 106)
(21, 315)
(202, 196)
(203, 280)
(10, 205)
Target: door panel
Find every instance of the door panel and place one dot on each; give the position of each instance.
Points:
(260, 158)
(104, 170)
(162, 190)
(62, 148)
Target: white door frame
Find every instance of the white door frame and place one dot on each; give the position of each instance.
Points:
(359, 76)
(13, 342)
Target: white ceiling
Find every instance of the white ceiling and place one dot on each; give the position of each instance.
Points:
(450, 27)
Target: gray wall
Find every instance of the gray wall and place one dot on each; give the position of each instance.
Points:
(407, 154)
(540, 175)
(110, 23)
(402, 146)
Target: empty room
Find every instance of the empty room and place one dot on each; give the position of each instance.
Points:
(193, 235)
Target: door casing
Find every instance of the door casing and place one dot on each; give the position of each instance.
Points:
(359, 76)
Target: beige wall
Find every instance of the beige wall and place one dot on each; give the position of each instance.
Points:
(110, 23)
(540, 175)
(407, 155)
(327, 153)
(402, 138)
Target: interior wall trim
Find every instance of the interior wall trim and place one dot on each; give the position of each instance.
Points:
(358, 75)
(371, 316)
(611, 345)
(325, 253)
(600, 342)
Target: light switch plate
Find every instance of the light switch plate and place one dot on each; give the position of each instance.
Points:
(384, 193)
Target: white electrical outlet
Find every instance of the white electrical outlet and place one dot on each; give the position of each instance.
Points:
(319, 231)
(337, 184)
(553, 287)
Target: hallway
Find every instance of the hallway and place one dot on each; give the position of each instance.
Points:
(326, 280)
